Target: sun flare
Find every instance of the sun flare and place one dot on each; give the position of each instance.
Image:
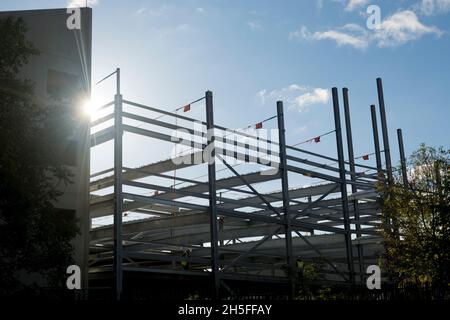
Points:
(91, 106)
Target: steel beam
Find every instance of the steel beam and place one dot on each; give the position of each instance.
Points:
(253, 248)
(312, 203)
(285, 192)
(376, 139)
(351, 160)
(212, 193)
(320, 255)
(402, 157)
(344, 199)
(250, 186)
(384, 129)
(118, 197)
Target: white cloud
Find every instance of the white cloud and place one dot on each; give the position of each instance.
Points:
(296, 96)
(355, 4)
(296, 87)
(317, 96)
(300, 33)
(433, 7)
(354, 28)
(400, 28)
(342, 38)
(200, 10)
(350, 34)
(255, 26)
(82, 3)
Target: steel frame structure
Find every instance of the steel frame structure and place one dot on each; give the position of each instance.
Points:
(337, 222)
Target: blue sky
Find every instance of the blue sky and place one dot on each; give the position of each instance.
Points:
(251, 53)
(172, 51)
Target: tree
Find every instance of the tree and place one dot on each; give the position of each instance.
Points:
(418, 254)
(35, 238)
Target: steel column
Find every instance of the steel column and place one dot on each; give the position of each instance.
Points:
(285, 190)
(384, 129)
(212, 193)
(376, 139)
(351, 160)
(118, 197)
(342, 177)
(387, 151)
(402, 157)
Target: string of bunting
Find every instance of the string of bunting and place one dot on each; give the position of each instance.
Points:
(365, 157)
(315, 139)
(185, 108)
(259, 125)
(188, 106)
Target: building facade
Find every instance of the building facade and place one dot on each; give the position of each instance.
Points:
(61, 73)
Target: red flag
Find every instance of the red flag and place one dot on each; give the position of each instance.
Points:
(258, 125)
(186, 108)
(366, 157)
(317, 139)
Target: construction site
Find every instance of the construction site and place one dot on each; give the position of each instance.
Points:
(249, 233)
(223, 154)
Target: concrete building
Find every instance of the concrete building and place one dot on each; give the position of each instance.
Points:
(62, 77)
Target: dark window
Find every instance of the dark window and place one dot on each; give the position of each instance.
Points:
(62, 85)
(65, 217)
(67, 153)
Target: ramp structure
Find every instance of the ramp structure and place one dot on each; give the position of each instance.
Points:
(223, 229)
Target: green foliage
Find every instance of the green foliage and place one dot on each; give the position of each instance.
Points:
(35, 238)
(14, 48)
(418, 254)
(308, 276)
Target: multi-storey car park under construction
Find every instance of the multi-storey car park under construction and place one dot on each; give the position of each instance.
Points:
(223, 237)
(240, 231)
(249, 232)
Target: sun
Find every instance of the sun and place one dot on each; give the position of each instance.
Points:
(91, 106)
